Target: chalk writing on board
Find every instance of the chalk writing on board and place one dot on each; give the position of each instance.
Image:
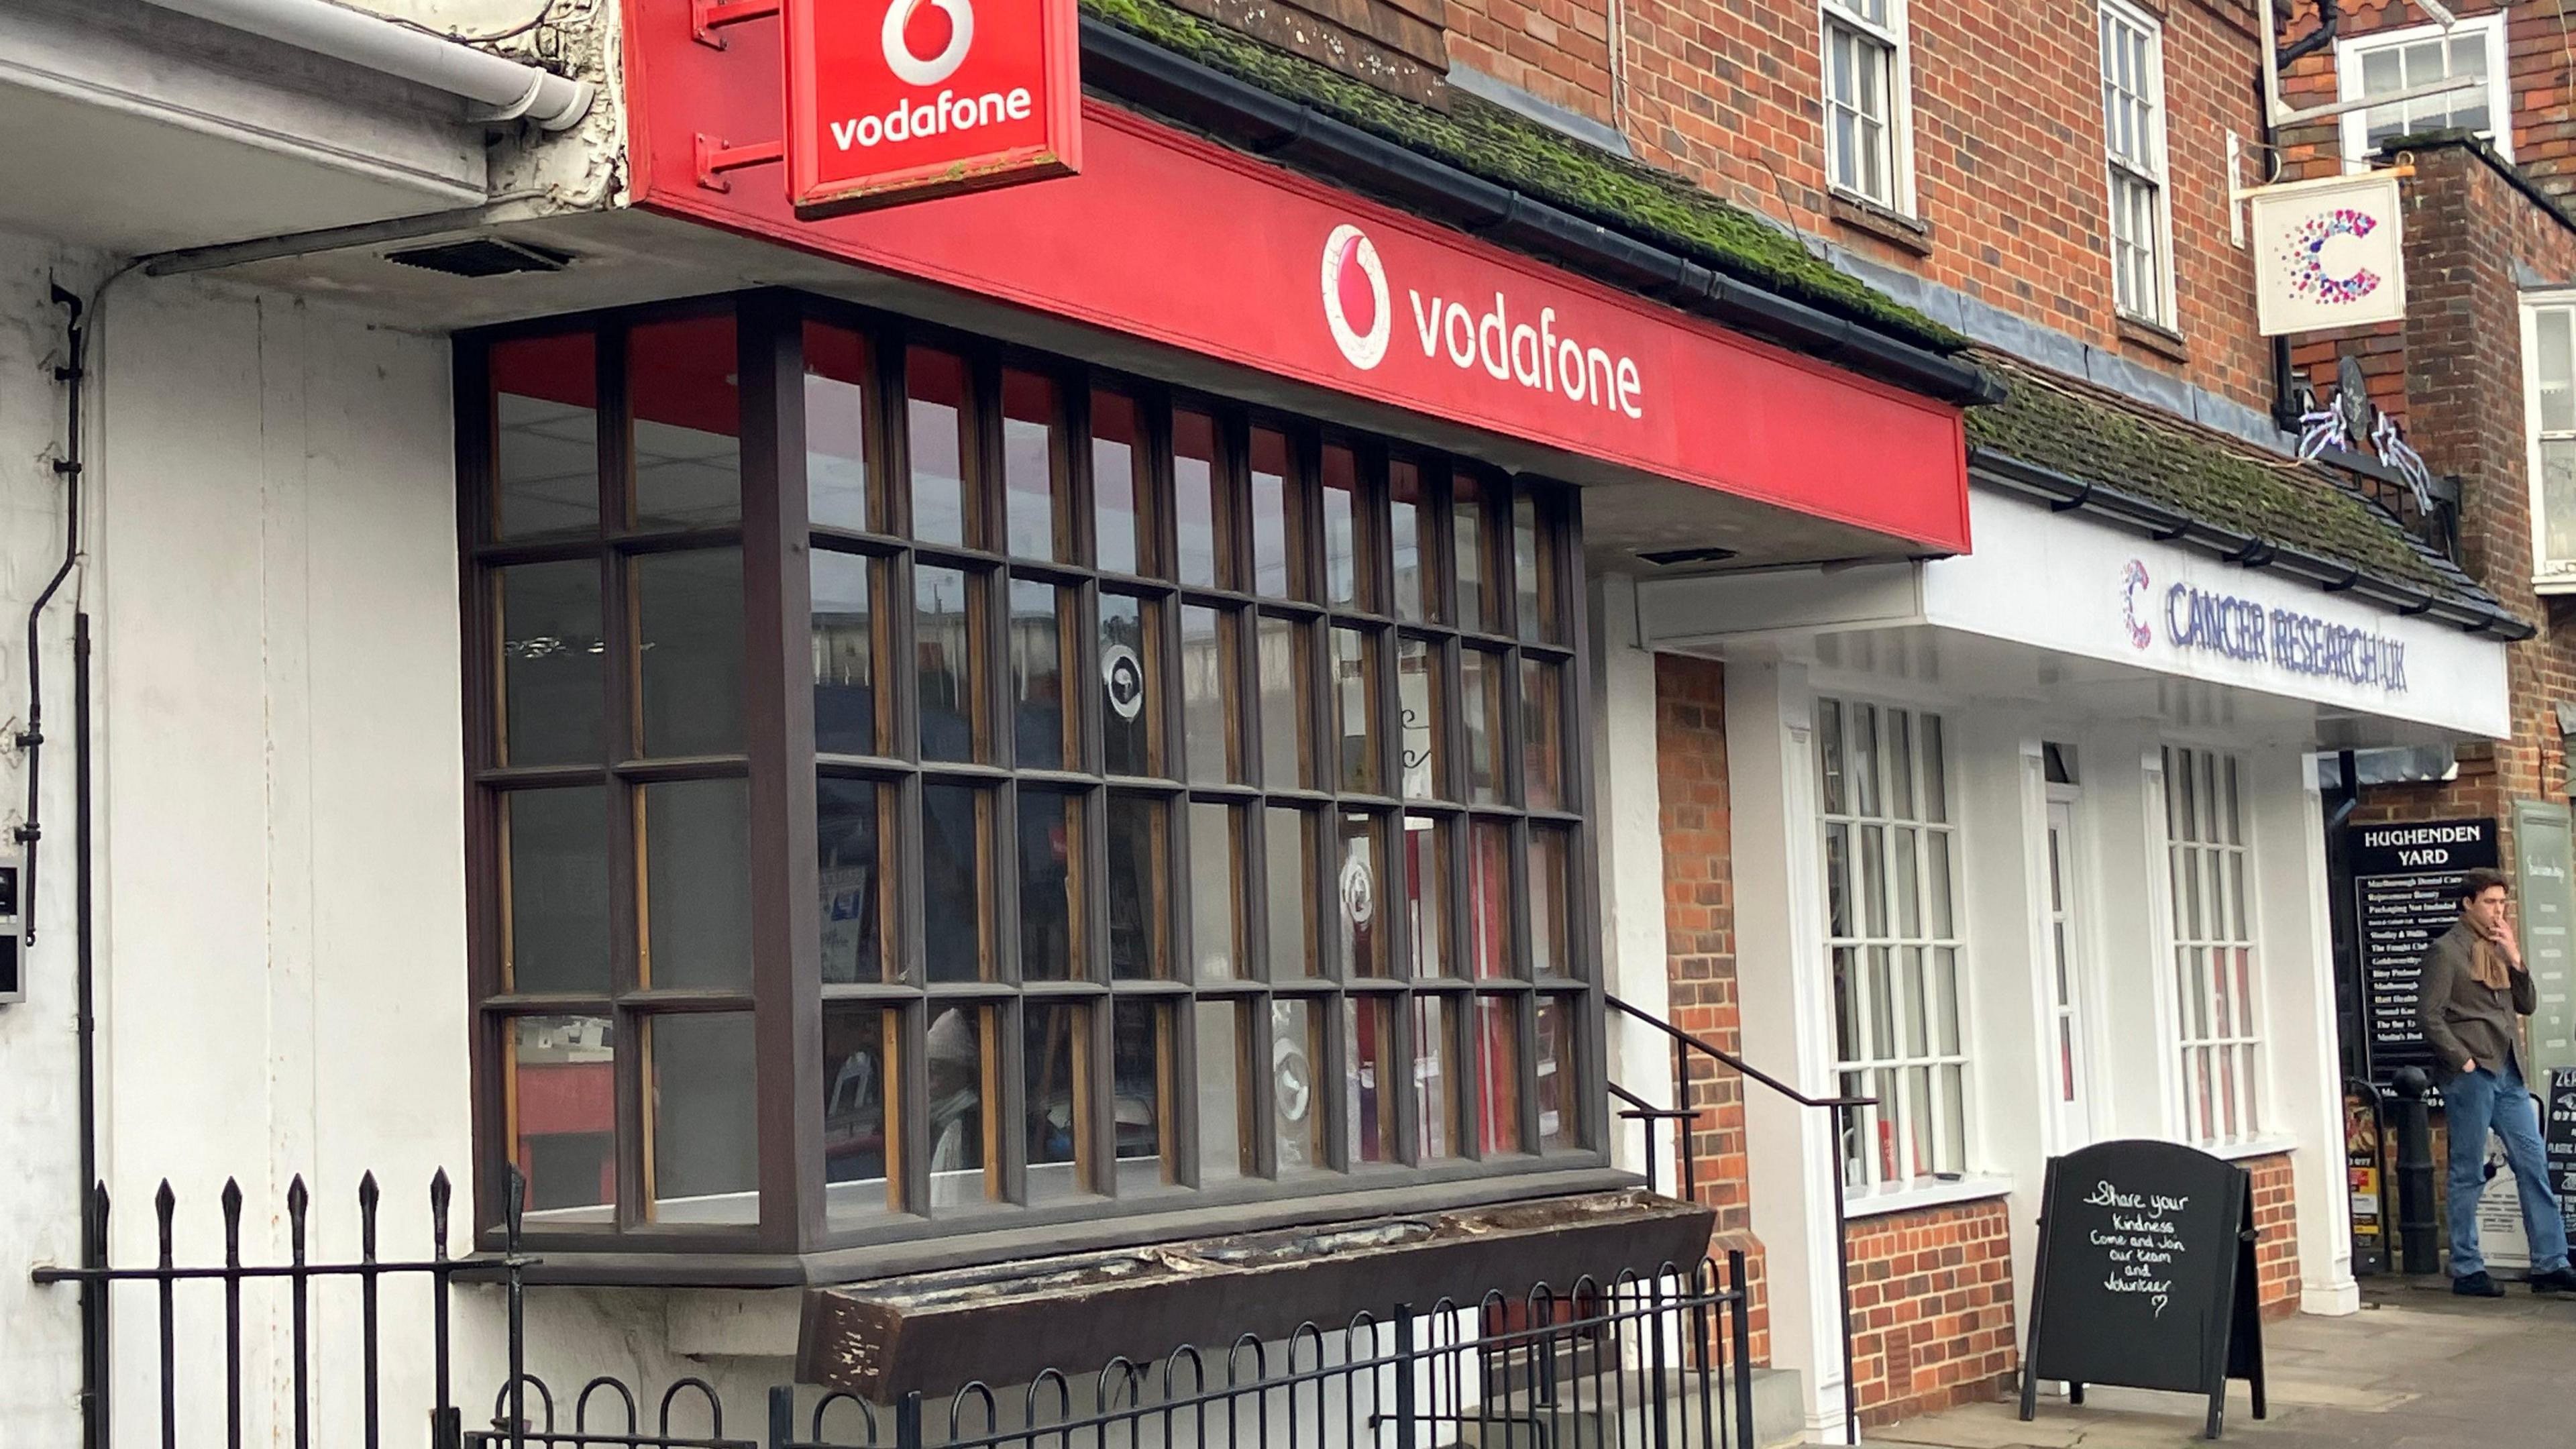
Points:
(2142, 1241)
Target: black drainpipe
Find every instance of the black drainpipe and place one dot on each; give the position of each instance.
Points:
(32, 738)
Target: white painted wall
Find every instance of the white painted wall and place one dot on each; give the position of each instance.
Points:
(1628, 823)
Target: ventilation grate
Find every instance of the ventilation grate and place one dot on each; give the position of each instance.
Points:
(482, 256)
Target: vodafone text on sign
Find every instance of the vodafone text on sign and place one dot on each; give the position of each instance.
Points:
(899, 100)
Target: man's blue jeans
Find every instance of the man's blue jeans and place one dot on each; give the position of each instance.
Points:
(2475, 1103)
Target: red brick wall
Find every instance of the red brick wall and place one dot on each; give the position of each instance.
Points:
(1932, 1307)
(2276, 1236)
(1699, 945)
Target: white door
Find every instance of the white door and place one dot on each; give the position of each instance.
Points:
(2066, 975)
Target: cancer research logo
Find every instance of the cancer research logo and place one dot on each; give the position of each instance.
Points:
(1355, 300)
(912, 69)
(2133, 582)
(2311, 249)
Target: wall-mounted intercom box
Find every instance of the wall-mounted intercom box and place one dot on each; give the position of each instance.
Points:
(13, 946)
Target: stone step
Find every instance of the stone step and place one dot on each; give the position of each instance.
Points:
(1620, 1413)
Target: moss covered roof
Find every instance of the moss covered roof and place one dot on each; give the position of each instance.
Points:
(2089, 433)
(1511, 150)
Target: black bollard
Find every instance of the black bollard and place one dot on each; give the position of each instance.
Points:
(2418, 1243)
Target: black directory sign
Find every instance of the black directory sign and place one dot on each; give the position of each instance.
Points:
(2405, 878)
(2146, 1276)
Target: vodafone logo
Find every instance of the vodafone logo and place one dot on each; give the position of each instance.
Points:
(912, 69)
(1355, 301)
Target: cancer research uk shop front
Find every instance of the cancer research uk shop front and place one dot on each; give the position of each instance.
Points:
(2041, 827)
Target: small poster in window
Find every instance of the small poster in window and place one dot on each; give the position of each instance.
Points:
(2328, 253)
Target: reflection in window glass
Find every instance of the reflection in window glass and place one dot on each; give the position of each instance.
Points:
(697, 884)
(1410, 537)
(1376, 1057)
(955, 826)
(1224, 1095)
(947, 648)
(1117, 455)
(1533, 573)
(1139, 1053)
(1542, 742)
(1355, 706)
(1426, 894)
(1359, 886)
(1347, 580)
(1435, 1079)
(1051, 886)
(552, 658)
(705, 1164)
(562, 1100)
(1216, 899)
(1498, 1083)
(1480, 676)
(836, 438)
(1550, 865)
(1131, 695)
(687, 462)
(1032, 516)
(1296, 1062)
(1209, 734)
(845, 694)
(1040, 722)
(1468, 554)
(1055, 1064)
(1284, 717)
(935, 390)
(545, 426)
(556, 908)
(689, 643)
(851, 874)
(1560, 1115)
(1137, 864)
(1489, 901)
(1290, 872)
(1275, 571)
(957, 1052)
(1417, 702)
(858, 1138)
(1206, 560)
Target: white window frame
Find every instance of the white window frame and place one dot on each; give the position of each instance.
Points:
(2151, 170)
(2348, 57)
(2216, 956)
(2548, 575)
(1895, 34)
(1925, 1077)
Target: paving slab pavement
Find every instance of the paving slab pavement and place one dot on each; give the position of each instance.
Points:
(2416, 1369)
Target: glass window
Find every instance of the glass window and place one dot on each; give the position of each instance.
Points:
(545, 437)
(2214, 975)
(1131, 715)
(1051, 885)
(556, 906)
(1139, 911)
(837, 492)
(858, 1086)
(948, 653)
(553, 665)
(2387, 62)
(1032, 467)
(1216, 889)
(687, 457)
(2549, 412)
(705, 1163)
(1117, 463)
(937, 433)
(561, 1088)
(1864, 89)
(845, 653)
(1278, 570)
(697, 884)
(850, 870)
(1042, 726)
(1211, 740)
(2133, 87)
(1199, 503)
(689, 652)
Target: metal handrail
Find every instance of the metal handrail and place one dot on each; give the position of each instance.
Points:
(1647, 1115)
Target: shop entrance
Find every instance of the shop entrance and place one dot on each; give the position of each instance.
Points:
(2066, 973)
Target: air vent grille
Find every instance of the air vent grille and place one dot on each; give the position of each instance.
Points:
(482, 256)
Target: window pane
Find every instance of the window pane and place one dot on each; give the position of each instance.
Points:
(1225, 1135)
(858, 1082)
(1206, 559)
(2557, 371)
(1117, 456)
(1051, 887)
(697, 884)
(1275, 570)
(1376, 1056)
(1489, 901)
(2558, 497)
(1290, 874)
(1549, 886)
(1216, 904)
(935, 391)
(1829, 754)
(1040, 723)
(1131, 685)
(956, 861)
(1140, 1063)
(1411, 499)
(1208, 674)
(1284, 716)
(555, 912)
(552, 655)
(1033, 517)
(845, 678)
(1355, 706)
(705, 1166)
(1560, 1105)
(1533, 573)
(1481, 682)
(1936, 770)
(1417, 698)
(1296, 1055)
(1426, 894)
(836, 453)
(1139, 918)
(1436, 1132)
(1542, 742)
(1498, 1087)
(948, 653)
(958, 1053)
(1349, 572)
(851, 868)
(689, 647)
(545, 425)
(1056, 1068)
(1467, 547)
(680, 383)
(562, 1099)
(1359, 886)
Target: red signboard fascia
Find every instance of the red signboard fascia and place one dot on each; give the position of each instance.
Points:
(1170, 238)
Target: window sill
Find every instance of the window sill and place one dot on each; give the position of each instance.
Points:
(2162, 341)
(2271, 1144)
(1897, 230)
(2558, 583)
(1915, 1197)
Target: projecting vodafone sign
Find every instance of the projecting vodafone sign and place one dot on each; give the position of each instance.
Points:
(904, 100)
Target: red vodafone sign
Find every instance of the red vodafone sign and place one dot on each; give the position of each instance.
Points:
(901, 100)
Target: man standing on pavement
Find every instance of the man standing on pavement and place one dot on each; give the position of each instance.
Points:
(2474, 989)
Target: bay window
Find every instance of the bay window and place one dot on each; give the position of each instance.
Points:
(918, 782)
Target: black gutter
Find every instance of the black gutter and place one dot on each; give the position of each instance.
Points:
(1135, 69)
(2065, 492)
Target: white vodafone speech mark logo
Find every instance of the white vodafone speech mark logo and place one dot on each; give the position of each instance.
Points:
(912, 69)
(1355, 300)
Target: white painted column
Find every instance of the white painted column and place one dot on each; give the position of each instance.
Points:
(1628, 824)
(2131, 932)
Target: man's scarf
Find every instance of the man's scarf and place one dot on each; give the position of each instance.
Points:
(2486, 963)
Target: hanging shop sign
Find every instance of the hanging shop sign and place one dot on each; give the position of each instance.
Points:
(2405, 881)
(904, 100)
(2328, 253)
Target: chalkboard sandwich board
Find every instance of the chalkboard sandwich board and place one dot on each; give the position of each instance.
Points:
(2146, 1276)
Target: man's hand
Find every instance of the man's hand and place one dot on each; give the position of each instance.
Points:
(2468, 1065)
(2502, 939)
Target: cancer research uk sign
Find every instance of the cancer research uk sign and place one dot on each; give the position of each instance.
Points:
(906, 100)
(2328, 253)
